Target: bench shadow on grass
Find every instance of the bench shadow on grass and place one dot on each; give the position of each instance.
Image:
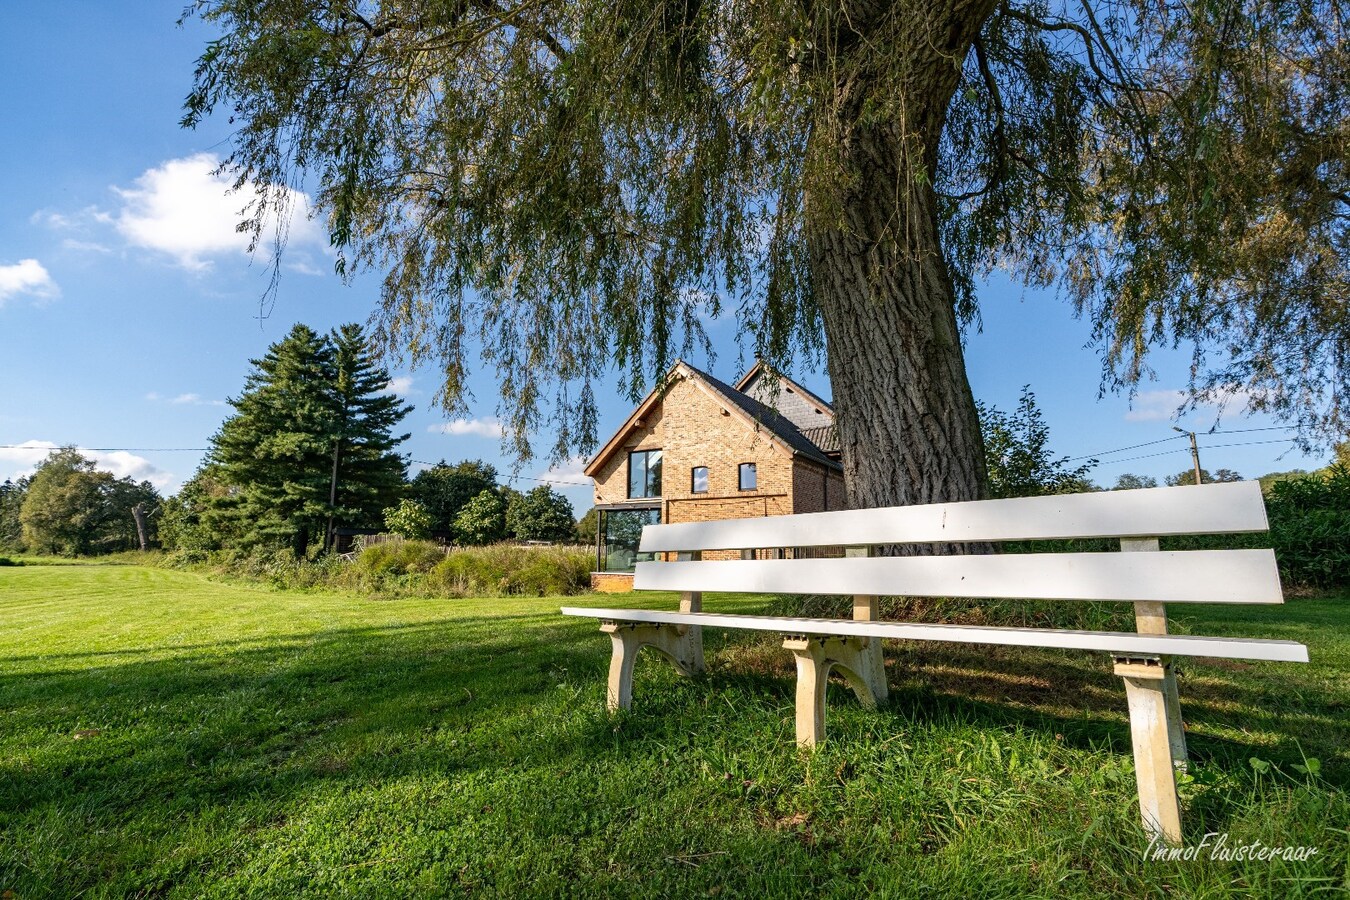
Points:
(1078, 697)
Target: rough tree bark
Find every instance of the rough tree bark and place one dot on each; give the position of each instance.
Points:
(906, 417)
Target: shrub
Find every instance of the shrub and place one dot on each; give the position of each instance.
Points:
(410, 519)
(482, 520)
(6, 561)
(408, 568)
(1310, 527)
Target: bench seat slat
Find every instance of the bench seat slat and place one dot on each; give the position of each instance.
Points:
(1196, 576)
(1119, 643)
(1229, 508)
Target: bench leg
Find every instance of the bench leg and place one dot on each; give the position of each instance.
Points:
(1176, 731)
(1151, 618)
(681, 644)
(1154, 763)
(858, 659)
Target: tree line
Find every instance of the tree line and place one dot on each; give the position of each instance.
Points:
(68, 507)
(309, 450)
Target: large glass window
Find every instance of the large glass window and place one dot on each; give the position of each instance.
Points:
(644, 473)
(698, 480)
(620, 534)
(749, 478)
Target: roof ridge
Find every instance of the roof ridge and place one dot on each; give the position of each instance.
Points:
(772, 419)
(802, 389)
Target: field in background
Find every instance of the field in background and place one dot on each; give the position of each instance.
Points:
(162, 734)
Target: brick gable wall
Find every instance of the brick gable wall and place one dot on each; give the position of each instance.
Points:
(690, 428)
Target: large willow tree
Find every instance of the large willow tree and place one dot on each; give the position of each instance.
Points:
(567, 185)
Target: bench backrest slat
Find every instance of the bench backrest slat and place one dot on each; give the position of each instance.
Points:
(1197, 576)
(1152, 512)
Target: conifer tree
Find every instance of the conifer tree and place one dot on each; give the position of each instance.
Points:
(368, 475)
(275, 450)
(311, 416)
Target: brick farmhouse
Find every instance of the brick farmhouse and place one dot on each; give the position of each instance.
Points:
(698, 449)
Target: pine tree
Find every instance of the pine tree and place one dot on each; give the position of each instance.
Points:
(368, 475)
(276, 450)
(310, 444)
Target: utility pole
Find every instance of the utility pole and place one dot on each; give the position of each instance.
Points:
(1195, 451)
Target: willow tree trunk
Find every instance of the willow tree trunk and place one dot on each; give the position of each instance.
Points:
(906, 417)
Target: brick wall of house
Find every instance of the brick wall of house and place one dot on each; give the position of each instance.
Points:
(611, 582)
(816, 488)
(611, 482)
(689, 426)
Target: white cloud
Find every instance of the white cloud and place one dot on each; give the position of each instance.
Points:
(302, 266)
(183, 400)
(24, 458)
(401, 387)
(1163, 405)
(77, 221)
(1155, 406)
(84, 246)
(183, 209)
(476, 427)
(570, 472)
(27, 276)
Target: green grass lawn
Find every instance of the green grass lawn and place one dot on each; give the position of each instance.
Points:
(166, 735)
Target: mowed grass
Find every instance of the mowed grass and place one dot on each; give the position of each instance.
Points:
(165, 735)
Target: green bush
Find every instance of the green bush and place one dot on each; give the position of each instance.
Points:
(409, 519)
(6, 561)
(1310, 527)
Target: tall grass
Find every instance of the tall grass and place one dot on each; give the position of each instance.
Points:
(410, 569)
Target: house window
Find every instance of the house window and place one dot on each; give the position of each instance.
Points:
(644, 473)
(699, 480)
(749, 480)
(620, 534)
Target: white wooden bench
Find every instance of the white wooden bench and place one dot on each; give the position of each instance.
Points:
(1150, 580)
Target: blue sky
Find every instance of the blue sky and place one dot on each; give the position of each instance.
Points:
(129, 309)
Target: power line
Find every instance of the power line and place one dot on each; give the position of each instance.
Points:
(1208, 447)
(1123, 449)
(1175, 437)
(503, 479)
(506, 479)
(1245, 430)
